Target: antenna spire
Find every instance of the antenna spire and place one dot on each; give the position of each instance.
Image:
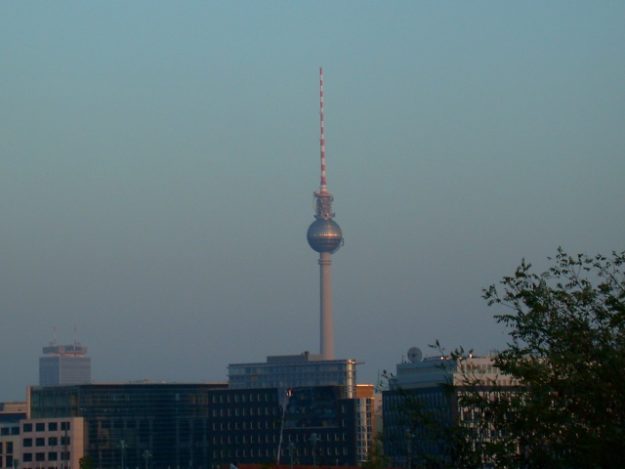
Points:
(324, 198)
(322, 140)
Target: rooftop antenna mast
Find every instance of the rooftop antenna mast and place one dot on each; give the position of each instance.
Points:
(323, 197)
(323, 186)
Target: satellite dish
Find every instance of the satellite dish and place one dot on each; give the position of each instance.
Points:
(414, 354)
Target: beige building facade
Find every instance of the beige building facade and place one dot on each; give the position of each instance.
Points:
(55, 443)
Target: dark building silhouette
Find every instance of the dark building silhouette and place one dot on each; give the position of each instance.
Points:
(205, 425)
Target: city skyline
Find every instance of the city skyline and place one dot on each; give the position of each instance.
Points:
(157, 160)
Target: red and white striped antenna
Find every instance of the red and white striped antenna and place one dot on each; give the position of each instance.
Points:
(322, 141)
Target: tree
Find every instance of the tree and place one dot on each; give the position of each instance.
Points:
(86, 462)
(375, 456)
(423, 427)
(567, 354)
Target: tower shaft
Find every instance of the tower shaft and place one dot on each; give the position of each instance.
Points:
(325, 309)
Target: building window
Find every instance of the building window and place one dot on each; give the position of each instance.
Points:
(40, 456)
(27, 457)
(53, 426)
(65, 425)
(40, 442)
(40, 427)
(53, 441)
(64, 440)
(9, 447)
(65, 456)
(52, 456)
(28, 442)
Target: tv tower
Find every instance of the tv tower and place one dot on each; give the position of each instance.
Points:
(324, 236)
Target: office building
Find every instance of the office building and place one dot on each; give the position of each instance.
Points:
(431, 387)
(56, 443)
(206, 425)
(12, 412)
(9, 444)
(64, 364)
(290, 371)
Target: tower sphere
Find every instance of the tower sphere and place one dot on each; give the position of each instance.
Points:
(325, 235)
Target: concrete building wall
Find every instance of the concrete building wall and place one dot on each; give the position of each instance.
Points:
(12, 412)
(52, 443)
(9, 444)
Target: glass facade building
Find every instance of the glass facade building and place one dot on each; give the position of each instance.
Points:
(206, 425)
(288, 371)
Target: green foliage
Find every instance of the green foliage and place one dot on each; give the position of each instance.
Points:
(567, 353)
(566, 362)
(375, 457)
(430, 436)
(86, 462)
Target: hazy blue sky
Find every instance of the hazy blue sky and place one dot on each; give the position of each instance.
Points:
(158, 159)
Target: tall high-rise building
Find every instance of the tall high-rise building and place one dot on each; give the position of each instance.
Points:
(64, 364)
(324, 236)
